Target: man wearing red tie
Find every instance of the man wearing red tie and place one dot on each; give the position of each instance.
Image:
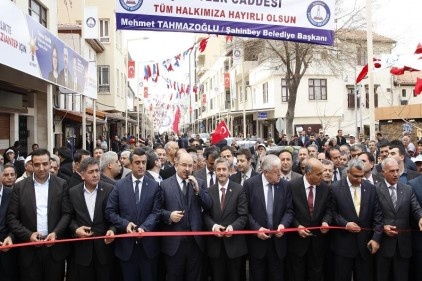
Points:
(229, 212)
(306, 248)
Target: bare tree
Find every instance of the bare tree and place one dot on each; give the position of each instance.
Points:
(294, 59)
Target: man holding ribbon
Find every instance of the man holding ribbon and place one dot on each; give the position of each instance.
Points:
(134, 206)
(270, 208)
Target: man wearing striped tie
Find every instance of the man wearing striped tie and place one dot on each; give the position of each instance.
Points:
(398, 203)
(355, 207)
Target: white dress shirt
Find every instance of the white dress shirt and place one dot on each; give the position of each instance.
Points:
(90, 199)
(41, 201)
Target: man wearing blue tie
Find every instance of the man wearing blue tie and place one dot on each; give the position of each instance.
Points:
(134, 205)
(270, 208)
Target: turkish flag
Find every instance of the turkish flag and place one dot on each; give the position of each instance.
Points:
(131, 69)
(176, 121)
(227, 80)
(204, 98)
(145, 92)
(220, 132)
(418, 86)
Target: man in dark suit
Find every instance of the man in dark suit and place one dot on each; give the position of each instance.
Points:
(110, 167)
(341, 140)
(355, 206)
(303, 139)
(168, 170)
(244, 171)
(153, 167)
(382, 153)
(244, 166)
(207, 173)
(311, 201)
(416, 259)
(66, 163)
(270, 208)
(398, 152)
(229, 212)
(134, 205)
(369, 161)
(79, 155)
(398, 203)
(286, 157)
(184, 197)
(65, 77)
(333, 154)
(94, 259)
(8, 258)
(47, 195)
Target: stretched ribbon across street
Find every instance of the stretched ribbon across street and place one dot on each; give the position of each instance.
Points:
(177, 233)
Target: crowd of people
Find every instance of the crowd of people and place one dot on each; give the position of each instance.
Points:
(321, 208)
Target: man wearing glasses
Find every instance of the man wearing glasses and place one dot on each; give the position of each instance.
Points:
(355, 206)
(270, 208)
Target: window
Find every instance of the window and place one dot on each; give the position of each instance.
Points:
(104, 35)
(103, 78)
(375, 100)
(351, 98)
(361, 56)
(37, 12)
(240, 92)
(265, 92)
(317, 89)
(227, 103)
(367, 96)
(284, 91)
(403, 93)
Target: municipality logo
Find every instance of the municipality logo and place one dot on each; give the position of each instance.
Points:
(91, 22)
(131, 5)
(318, 13)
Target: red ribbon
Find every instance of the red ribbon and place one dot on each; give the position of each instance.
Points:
(173, 233)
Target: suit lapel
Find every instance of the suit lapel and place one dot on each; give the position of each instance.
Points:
(81, 198)
(143, 190)
(318, 197)
(277, 196)
(176, 187)
(400, 195)
(302, 196)
(260, 193)
(346, 193)
(31, 192)
(100, 198)
(386, 194)
(363, 197)
(51, 194)
(229, 193)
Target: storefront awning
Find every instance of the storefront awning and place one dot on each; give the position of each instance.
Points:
(118, 117)
(76, 116)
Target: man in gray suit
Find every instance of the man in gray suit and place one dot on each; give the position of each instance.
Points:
(398, 203)
(286, 158)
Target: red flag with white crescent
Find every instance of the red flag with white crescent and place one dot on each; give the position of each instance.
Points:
(220, 132)
(131, 69)
(227, 80)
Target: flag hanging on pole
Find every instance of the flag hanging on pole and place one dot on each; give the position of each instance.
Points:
(131, 69)
(418, 86)
(176, 120)
(220, 132)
